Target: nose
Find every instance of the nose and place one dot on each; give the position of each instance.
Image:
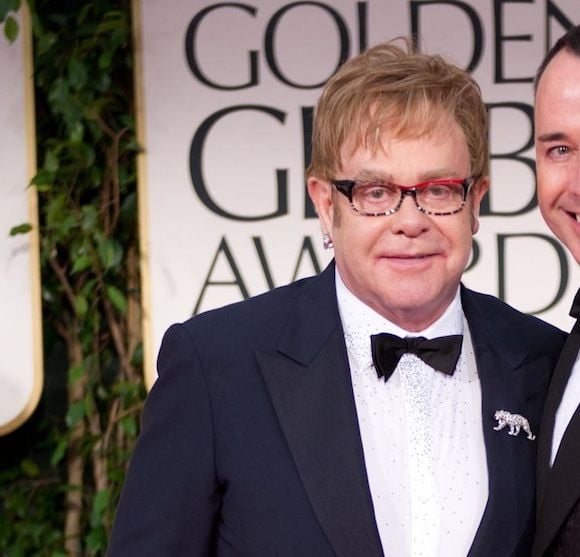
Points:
(409, 220)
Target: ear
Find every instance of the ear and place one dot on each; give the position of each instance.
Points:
(321, 196)
(477, 193)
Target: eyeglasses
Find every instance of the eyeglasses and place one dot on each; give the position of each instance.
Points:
(434, 197)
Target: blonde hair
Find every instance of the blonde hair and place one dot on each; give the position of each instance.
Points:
(400, 90)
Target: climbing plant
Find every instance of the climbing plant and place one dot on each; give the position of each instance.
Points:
(60, 497)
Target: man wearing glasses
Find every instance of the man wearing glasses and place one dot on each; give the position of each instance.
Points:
(379, 408)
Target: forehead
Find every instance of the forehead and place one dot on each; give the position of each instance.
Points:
(392, 150)
(558, 94)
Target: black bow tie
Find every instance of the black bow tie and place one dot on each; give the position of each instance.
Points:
(440, 353)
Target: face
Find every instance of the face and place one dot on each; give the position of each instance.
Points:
(406, 266)
(557, 120)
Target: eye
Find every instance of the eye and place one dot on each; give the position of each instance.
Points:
(559, 151)
(438, 190)
(376, 192)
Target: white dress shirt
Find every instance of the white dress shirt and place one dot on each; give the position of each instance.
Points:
(568, 404)
(457, 446)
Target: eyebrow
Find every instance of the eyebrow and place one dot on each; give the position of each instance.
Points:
(369, 176)
(552, 136)
(440, 173)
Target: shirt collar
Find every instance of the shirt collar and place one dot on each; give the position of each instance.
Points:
(360, 321)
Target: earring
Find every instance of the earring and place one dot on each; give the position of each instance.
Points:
(327, 241)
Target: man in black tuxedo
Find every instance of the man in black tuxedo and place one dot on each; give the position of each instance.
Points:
(557, 119)
(373, 409)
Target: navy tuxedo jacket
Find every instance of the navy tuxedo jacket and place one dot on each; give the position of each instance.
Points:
(250, 443)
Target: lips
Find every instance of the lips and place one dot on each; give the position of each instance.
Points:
(408, 256)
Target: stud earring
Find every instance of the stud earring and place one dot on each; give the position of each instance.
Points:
(327, 241)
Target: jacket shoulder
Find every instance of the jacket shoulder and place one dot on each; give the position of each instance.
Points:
(501, 316)
(260, 308)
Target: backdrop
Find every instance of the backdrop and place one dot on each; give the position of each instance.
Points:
(226, 93)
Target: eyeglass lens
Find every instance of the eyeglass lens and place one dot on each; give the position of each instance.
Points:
(385, 198)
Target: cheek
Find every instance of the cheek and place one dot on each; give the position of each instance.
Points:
(463, 238)
(551, 183)
(474, 222)
(356, 238)
(336, 216)
(544, 198)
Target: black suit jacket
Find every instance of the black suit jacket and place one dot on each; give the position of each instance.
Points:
(250, 442)
(558, 528)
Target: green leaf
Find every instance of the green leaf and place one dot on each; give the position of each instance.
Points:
(55, 211)
(81, 263)
(59, 94)
(59, 451)
(129, 426)
(100, 504)
(77, 133)
(90, 218)
(96, 541)
(30, 468)
(51, 161)
(105, 60)
(75, 372)
(75, 413)
(117, 298)
(43, 188)
(42, 178)
(81, 306)
(89, 404)
(137, 356)
(11, 28)
(89, 290)
(110, 253)
(68, 222)
(77, 73)
(20, 229)
(46, 41)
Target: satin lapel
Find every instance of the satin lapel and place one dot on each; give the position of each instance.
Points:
(558, 488)
(508, 382)
(557, 386)
(309, 383)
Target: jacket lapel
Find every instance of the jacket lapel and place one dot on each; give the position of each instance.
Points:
(508, 382)
(308, 380)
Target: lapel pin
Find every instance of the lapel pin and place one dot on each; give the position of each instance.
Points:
(516, 422)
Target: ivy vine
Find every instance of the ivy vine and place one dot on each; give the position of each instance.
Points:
(60, 498)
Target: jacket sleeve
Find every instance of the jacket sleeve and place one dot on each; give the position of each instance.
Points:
(171, 497)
